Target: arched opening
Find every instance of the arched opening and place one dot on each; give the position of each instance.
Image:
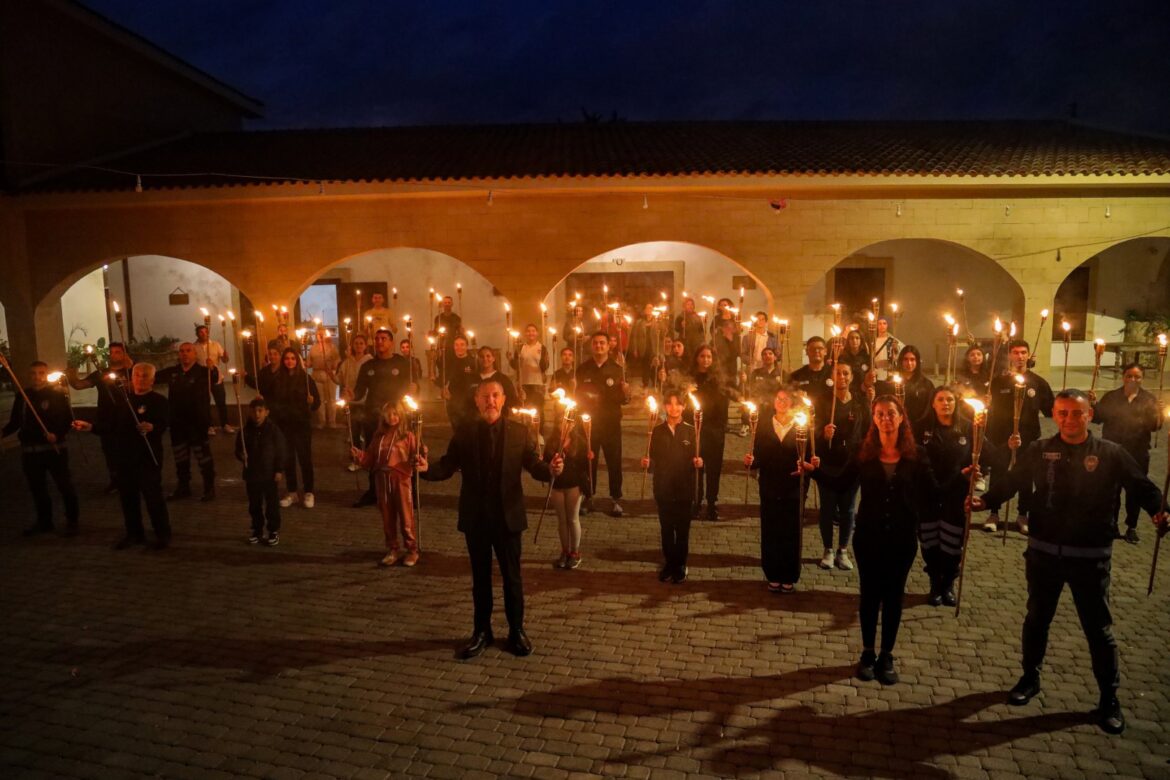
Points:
(921, 277)
(1121, 295)
(159, 300)
(658, 273)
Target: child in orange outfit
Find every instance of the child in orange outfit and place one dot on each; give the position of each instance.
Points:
(392, 456)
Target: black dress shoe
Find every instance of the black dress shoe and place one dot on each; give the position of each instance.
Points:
(712, 512)
(949, 599)
(664, 573)
(935, 597)
(182, 491)
(1025, 689)
(865, 670)
(519, 644)
(1131, 536)
(480, 641)
(365, 500)
(1109, 716)
(128, 541)
(885, 671)
(680, 575)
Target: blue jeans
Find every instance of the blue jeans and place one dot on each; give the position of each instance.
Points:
(837, 506)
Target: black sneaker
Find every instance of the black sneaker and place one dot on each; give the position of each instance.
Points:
(182, 491)
(586, 507)
(664, 573)
(1025, 689)
(273, 539)
(617, 510)
(254, 538)
(935, 598)
(865, 670)
(1109, 716)
(680, 575)
(886, 674)
(1131, 536)
(128, 541)
(949, 599)
(712, 512)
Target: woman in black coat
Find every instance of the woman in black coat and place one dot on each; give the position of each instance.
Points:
(946, 437)
(714, 394)
(918, 388)
(775, 455)
(293, 399)
(897, 491)
(569, 489)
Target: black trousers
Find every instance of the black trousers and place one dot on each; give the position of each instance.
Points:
(299, 437)
(534, 397)
(184, 441)
(219, 395)
(780, 538)
(56, 464)
(1088, 579)
(674, 520)
(999, 470)
(711, 442)
(110, 453)
(140, 483)
(883, 564)
(263, 505)
(506, 545)
(1132, 508)
(607, 440)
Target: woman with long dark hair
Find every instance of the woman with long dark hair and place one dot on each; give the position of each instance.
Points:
(714, 397)
(897, 490)
(569, 489)
(975, 373)
(856, 355)
(294, 399)
(918, 388)
(946, 436)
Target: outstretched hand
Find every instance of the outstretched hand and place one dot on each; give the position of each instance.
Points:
(557, 465)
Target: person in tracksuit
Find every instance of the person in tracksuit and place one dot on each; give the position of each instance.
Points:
(262, 448)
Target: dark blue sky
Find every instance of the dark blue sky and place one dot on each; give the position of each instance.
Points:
(374, 62)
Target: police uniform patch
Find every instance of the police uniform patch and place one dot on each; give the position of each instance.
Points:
(467, 369)
(828, 383)
(370, 372)
(394, 372)
(1052, 456)
(609, 382)
(963, 440)
(1031, 392)
(1091, 462)
(142, 410)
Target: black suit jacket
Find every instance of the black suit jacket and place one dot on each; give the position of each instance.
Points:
(463, 455)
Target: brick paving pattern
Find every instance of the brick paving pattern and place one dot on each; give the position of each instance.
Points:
(216, 659)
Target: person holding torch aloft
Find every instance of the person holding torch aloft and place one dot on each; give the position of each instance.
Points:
(846, 419)
(781, 464)
(601, 392)
(714, 394)
(211, 354)
(391, 457)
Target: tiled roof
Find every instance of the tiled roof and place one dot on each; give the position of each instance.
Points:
(451, 153)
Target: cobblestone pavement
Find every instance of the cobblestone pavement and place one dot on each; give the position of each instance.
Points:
(216, 659)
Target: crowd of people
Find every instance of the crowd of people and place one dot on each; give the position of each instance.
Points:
(891, 454)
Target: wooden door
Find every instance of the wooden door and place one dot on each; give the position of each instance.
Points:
(632, 289)
(855, 289)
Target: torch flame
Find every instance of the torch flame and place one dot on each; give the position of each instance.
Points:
(260, 317)
(894, 308)
(507, 306)
(552, 331)
(543, 308)
(55, 376)
(950, 320)
(651, 404)
(222, 319)
(869, 316)
(1161, 339)
(340, 403)
(751, 407)
(1012, 330)
(202, 310)
(836, 331)
(470, 333)
(596, 313)
(1044, 314)
(1066, 326)
(246, 334)
(694, 401)
(1020, 379)
(231, 316)
(955, 329)
(801, 420)
(998, 325)
(559, 393)
(976, 405)
(411, 404)
(896, 379)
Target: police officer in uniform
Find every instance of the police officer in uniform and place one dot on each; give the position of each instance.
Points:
(384, 379)
(190, 418)
(1075, 476)
(601, 391)
(458, 378)
(41, 454)
(1037, 401)
(136, 426)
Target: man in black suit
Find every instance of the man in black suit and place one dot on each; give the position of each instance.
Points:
(491, 451)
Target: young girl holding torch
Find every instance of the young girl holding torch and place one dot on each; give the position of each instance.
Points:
(675, 464)
(392, 457)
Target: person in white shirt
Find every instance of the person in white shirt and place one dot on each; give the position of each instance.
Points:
(324, 360)
(886, 348)
(531, 365)
(212, 354)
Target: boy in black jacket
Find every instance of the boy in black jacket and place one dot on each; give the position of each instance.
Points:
(262, 448)
(675, 466)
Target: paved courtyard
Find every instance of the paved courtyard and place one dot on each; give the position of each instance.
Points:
(217, 659)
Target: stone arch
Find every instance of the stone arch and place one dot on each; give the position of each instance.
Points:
(922, 276)
(75, 308)
(415, 271)
(1119, 294)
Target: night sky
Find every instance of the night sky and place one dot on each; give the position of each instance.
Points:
(321, 63)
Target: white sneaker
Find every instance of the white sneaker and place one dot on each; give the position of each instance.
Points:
(991, 524)
(1022, 524)
(843, 563)
(826, 561)
(309, 501)
(212, 431)
(289, 500)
